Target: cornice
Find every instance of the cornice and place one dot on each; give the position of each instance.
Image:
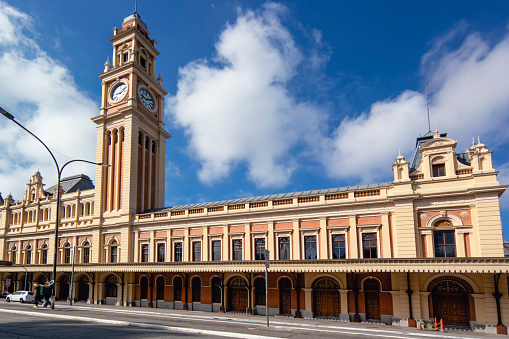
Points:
(412, 265)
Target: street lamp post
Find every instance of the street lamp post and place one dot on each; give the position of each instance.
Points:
(59, 172)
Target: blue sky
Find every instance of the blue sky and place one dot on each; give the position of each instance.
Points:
(264, 97)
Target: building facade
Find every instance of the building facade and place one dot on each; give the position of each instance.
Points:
(427, 244)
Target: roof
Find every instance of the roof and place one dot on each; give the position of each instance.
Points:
(72, 184)
(273, 197)
(1, 199)
(506, 249)
(416, 160)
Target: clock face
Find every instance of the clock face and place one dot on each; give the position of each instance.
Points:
(146, 98)
(119, 92)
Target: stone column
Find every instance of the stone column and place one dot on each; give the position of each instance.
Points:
(323, 253)
(345, 316)
(308, 299)
(296, 248)
(353, 241)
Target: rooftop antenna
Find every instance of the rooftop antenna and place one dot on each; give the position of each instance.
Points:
(135, 6)
(427, 106)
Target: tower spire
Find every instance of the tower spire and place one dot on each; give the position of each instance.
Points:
(427, 106)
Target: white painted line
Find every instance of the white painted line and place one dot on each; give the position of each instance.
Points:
(141, 325)
(280, 324)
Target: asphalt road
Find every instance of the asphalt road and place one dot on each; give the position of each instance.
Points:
(100, 321)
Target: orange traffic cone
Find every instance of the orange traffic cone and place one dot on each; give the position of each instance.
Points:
(419, 327)
(441, 325)
(436, 325)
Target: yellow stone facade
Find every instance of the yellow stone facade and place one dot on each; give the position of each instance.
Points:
(433, 234)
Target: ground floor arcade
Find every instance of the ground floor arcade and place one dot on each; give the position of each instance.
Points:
(476, 300)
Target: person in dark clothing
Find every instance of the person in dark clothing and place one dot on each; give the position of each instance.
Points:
(47, 293)
(37, 294)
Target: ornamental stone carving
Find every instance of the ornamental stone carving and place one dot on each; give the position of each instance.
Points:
(464, 214)
(443, 213)
(424, 216)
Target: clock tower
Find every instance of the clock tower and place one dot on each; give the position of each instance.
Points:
(130, 128)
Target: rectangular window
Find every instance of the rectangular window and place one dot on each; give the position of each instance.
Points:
(439, 170)
(369, 245)
(237, 249)
(310, 248)
(126, 57)
(260, 249)
(143, 62)
(338, 247)
(178, 251)
(28, 255)
(284, 248)
(445, 244)
(144, 253)
(161, 248)
(216, 250)
(44, 254)
(86, 255)
(113, 254)
(197, 251)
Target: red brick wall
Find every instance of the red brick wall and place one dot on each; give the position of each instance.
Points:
(338, 222)
(260, 227)
(310, 223)
(369, 220)
(283, 225)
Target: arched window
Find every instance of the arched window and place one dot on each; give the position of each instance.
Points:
(67, 253)
(144, 287)
(111, 287)
(445, 244)
(310, 247)
(260, 291)
(28, 254)
(86, 252)
(161, 251)
(216, 290)
(144, 253)
(178, 251)
(160, 287)
(44, 254)
(196, 287)
(113, 251)
(177, 289)
(14, 254)
(284, 248)
(369, 245)
(216, 250)
(81, 209)
(338, 247)
(237, 249)
(196, 250)
(260, 249)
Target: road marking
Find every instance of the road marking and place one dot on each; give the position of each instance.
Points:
(141, 325)
(281, 325)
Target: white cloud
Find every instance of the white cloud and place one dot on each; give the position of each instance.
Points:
(40, 92)
(239, 109)
(468, 87)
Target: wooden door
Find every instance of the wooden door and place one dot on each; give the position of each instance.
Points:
(237, 299)
(453, 308)
(372, 304)
(285, 300)
(326, 303)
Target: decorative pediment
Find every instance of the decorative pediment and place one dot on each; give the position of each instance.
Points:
(438, 142)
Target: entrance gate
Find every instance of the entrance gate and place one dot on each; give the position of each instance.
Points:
(285, 296)
(372, 298)
(237, 295)
(326, 302)
(450, 303)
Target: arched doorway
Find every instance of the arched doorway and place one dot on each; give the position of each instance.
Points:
(285, 296)
(196, 289)
(326, 301)
(450, 303)
(237, 295)
(83, 288)
(63, 291)
(372, 299)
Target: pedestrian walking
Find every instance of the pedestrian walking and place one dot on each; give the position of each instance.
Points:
(37, 294)
(47, 292)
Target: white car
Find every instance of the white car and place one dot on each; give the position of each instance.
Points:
(21, 296)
